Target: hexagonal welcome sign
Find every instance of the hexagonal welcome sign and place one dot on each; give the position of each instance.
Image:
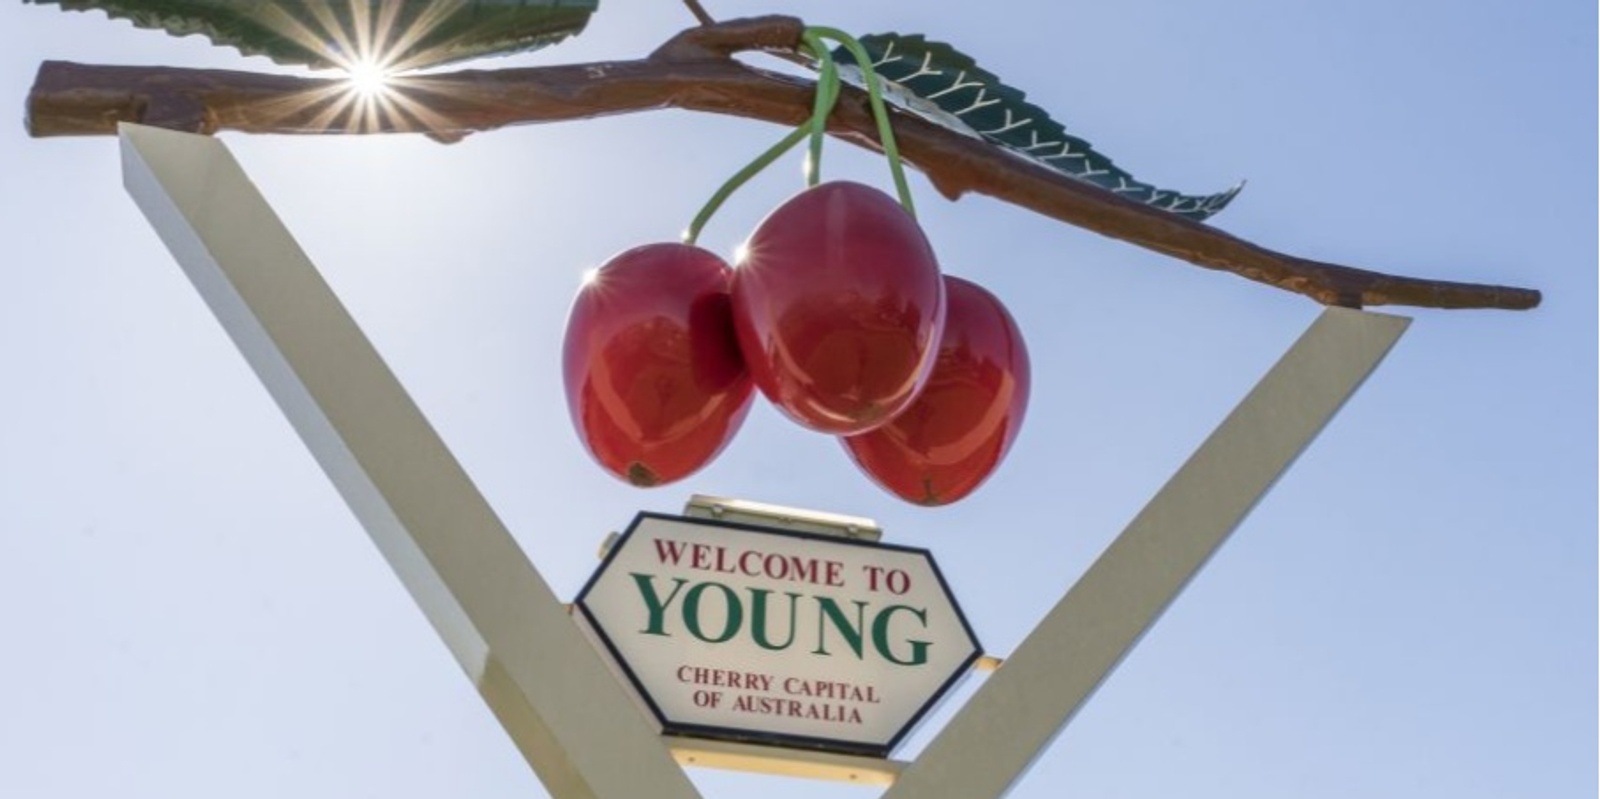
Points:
(771, 636)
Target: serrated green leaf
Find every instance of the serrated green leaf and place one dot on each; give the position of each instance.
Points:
(947, 86)
(404, 34)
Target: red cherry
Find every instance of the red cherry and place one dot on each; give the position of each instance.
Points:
(655, 384)
(956, 433)
(837, 305)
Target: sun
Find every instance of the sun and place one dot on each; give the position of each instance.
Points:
(368, 78)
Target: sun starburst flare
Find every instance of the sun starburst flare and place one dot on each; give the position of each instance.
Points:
(372, 47)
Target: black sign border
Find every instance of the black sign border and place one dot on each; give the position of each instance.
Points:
(783, 740)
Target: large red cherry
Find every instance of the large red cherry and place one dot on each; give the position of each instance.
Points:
(959, 428)
(655, 384)
(837, 304)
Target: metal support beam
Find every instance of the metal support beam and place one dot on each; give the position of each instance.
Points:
(1021, 707)
(758, 759)
(549, 688)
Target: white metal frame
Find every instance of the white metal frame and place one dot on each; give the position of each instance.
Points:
(548, 686)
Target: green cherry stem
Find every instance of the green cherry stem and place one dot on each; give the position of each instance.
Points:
(815, 128)
(762, 161)
(828, 88)
(880, 112)
(827, 97)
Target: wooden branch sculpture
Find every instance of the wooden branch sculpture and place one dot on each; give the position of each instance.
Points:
(695, 71)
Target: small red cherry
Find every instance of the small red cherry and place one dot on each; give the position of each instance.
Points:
(837, 305)
(654, 381)
(962, 424)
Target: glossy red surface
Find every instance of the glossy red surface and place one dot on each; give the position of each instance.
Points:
(654, 380)
(837, 306)
(962, 424)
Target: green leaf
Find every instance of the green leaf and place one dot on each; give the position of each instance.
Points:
(947, 86)
(400, 34)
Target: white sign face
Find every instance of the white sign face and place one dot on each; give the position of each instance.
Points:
(753, 634)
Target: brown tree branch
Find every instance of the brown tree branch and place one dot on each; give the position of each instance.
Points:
(693, 71)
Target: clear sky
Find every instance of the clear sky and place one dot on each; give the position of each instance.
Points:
(189, 610)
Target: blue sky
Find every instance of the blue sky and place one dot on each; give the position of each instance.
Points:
(192, 611)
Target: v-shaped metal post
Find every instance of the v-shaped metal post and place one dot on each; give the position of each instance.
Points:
(557, 700)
